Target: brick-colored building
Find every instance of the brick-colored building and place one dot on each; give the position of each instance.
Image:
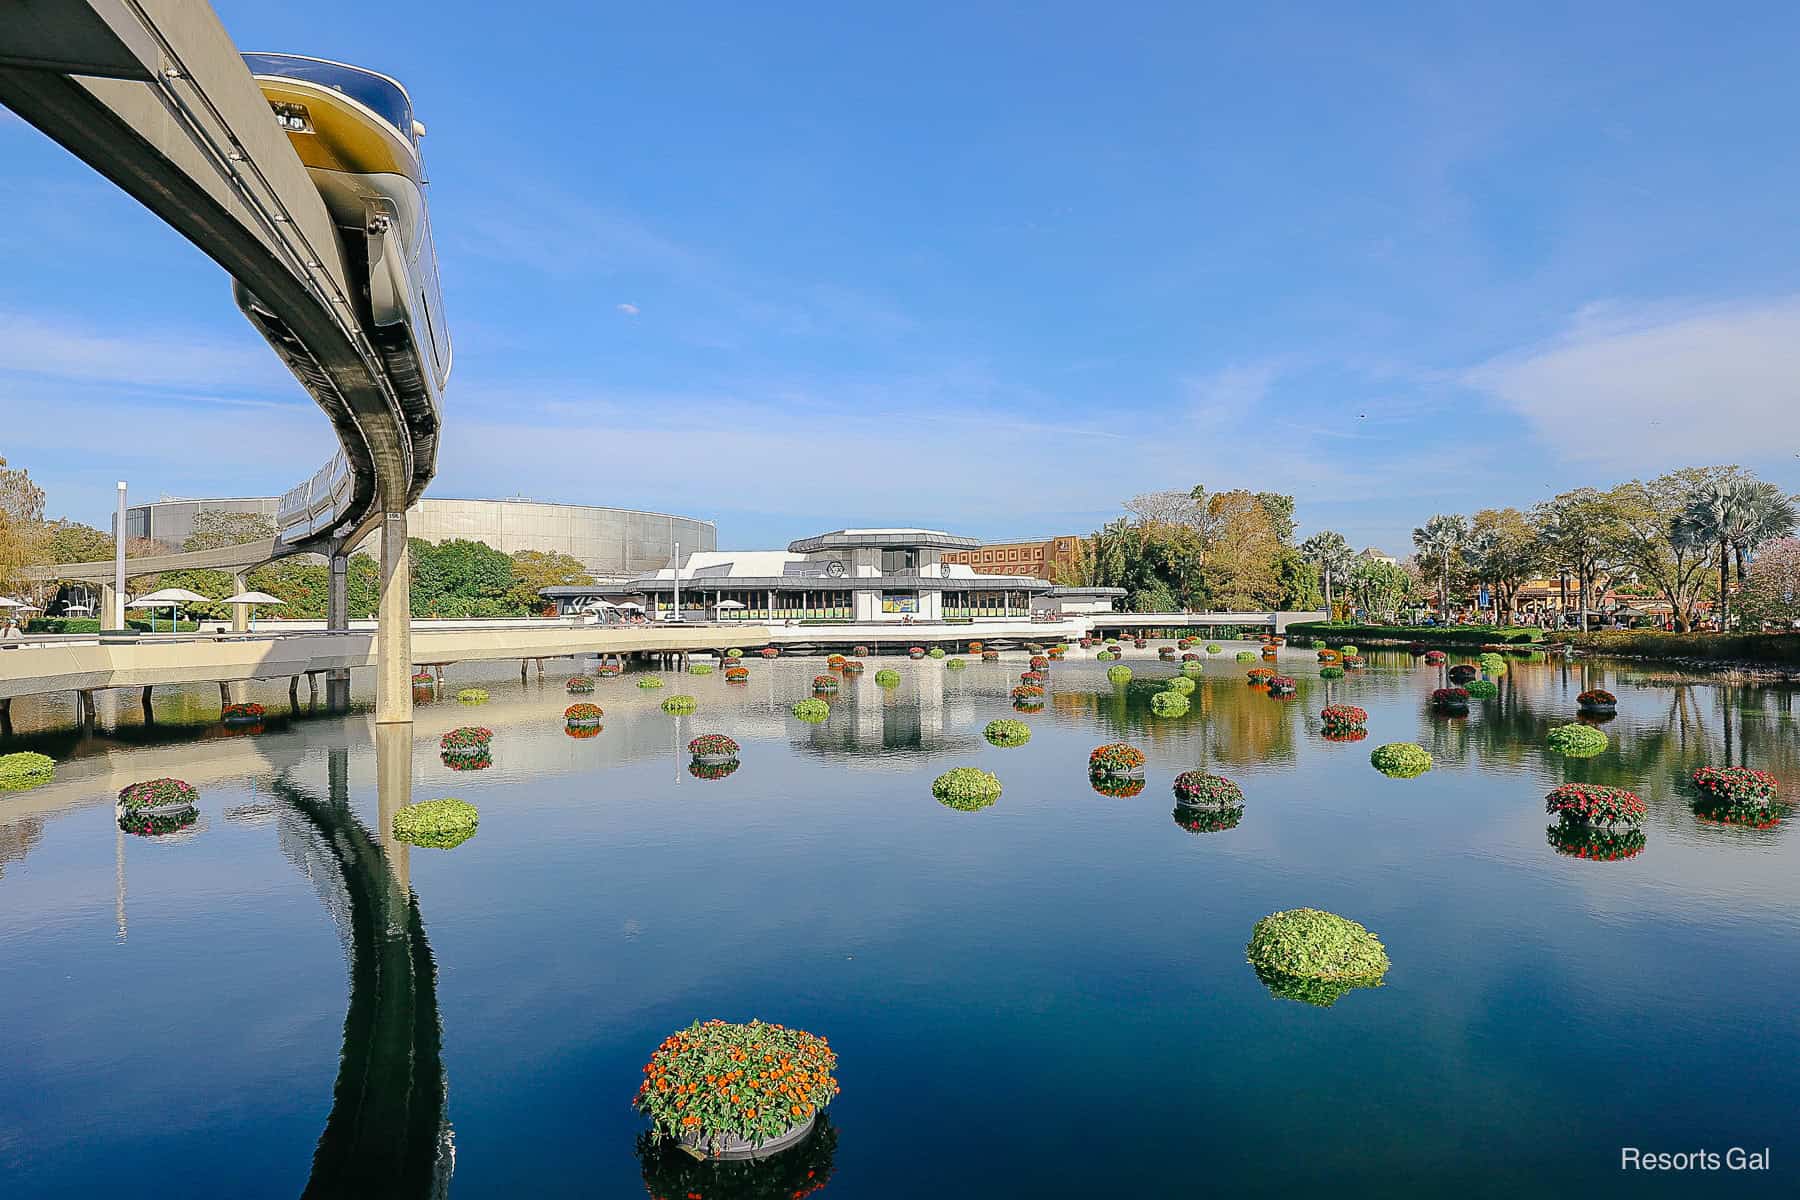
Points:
(1019, 558)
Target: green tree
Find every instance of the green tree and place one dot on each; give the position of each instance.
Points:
(1503, 551)
(1380, 588)
(1580, 532)
(535, 569)
(1654, 539)
(1439, 542)
(1298, 579)
(1771, 594)
(1281, 514)
(21, 514)
(1330, 552)
(461, 578)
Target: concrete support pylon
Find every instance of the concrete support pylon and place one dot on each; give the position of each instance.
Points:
(337, 620)
(240, 613)
(393, 641)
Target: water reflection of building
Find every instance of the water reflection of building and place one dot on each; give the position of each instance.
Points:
(17, 839)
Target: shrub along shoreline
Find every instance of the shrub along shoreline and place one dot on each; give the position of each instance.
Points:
(1441, 635)
(1762, 650)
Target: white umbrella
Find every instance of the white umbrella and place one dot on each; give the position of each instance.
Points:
(633, 605)
(172, 598)
(253, 598)
(728, 604)
(5, 603)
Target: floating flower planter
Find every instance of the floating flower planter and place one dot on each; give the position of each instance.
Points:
(650, 682)
(437, 824)
(1435, 657)
(935, 652)
(835, 660)
(853, 667)
(1576, 741)
(700, 668)
(25, 769)
(680, 705)
(1028, 693)
(1086, 643)
(1259, 675)
(811, 711)
(1245, 656)
(579, 685)
(157, 806)
(1007, 732)
(1140, 643)
(1315, 957)
(1450, 699)
(713, 749)
(886, 678)
(769, 652)
(1214, 648)
(737, 674)
(1329, 656)
(954, 664)
(688, 1090)
(1462, 673)
(472, 696)
(423, 679)
(700, 770)
(966, 789)
(1167, 654)
(1738, 796)
(1595, 804)
(1493, 664)
(1180, 683)
(1282, 685)
(1207, 820)
(1596, 843)
(1056, 653)
(1039, 663)
(1033, 678)
(1118, 674)
(465, 739)
(1116, 758)
(1481, 689)
(583, 715)
(916, 652)
(1342, 718)
(1192, 670)
(1190, 656)
(1354, 662)
(1183, 643)
(734, 652)
(607, 671)
(1197, 789)
(1169, 704)
(1348, 650)
(1104, 656)
(1401, 760)
(860, 652)
(974, 647)
(990, 656)
(1597, 701)
(1331, 672)
(825, 683)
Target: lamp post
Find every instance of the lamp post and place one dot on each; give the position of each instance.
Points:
(117, 615)
(678, 581)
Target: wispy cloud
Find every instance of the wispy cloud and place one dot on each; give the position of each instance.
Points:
(1641, 387)
(630, 310)
(142, 359)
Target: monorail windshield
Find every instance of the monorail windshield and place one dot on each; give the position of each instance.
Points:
(376, 92)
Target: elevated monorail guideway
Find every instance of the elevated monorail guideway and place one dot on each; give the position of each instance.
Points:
(304, 182)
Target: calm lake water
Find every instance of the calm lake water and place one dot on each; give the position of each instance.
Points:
(1045, 998)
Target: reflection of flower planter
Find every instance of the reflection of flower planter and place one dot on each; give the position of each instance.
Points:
(156, 821)
(670, 1170)
(1462, 673)
(1207, 820)
(824, 683)
(583, 731)
(1451, 700)
(472, 760)
(1344, 735)
(1597, 843)
(700, 770)
(1119, 787)
(1435, 657)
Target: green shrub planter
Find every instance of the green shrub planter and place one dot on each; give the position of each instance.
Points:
(680, 705)
(25, 769)
(1348, 651)
(472, 696)
(886, 678)
(650, 681)
(1576, 741)
(811, 711)
(1180, 683)
(1104, 656)
(734, 652)
(437, 824)
(700, 669)
(1119, 674)
(954, 664)
(966, 788)
(1330, 672)
(1481, 689)
(935, 652)
(1191, 670)
(1245, 656)
(1005, 732)
(1214, 648)
(1169, 704)
(1492, 663)
(1315, 957)
(1401, 760)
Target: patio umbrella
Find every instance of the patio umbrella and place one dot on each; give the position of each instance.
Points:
(253, 598)
(633, 605)
(170, 598)
(728, 604)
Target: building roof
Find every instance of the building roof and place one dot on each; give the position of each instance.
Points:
(853, 539)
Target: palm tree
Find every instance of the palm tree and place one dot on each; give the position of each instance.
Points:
(1437, 542)
(1722, 514)
(1328, 551)
(1770, 513)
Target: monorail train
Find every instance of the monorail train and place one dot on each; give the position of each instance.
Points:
(355, 132)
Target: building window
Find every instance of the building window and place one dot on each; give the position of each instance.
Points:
(893, 561)
(900, 602)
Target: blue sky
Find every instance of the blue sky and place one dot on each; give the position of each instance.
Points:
(995, 267)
